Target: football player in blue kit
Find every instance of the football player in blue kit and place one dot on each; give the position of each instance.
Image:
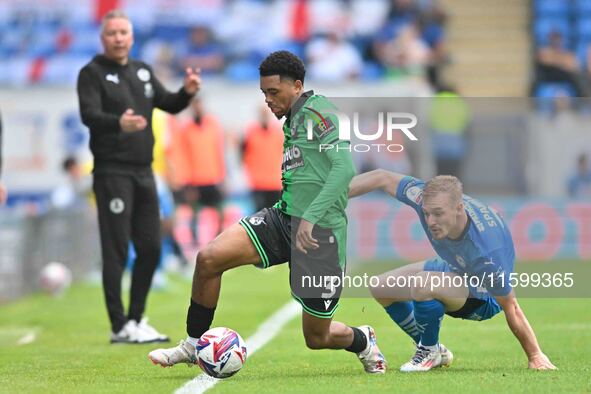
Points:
(469, 277)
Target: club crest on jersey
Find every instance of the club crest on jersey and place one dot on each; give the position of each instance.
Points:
(143, 75)
(117, 205)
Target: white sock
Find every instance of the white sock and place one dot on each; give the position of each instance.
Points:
(432, 348)
(192, 341)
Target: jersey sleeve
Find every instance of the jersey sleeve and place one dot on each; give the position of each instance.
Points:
(410, 192)
(91, 105)
(337, 183)
(165, 100)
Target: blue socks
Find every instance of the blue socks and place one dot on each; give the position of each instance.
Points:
(404, 316)
(428, 315)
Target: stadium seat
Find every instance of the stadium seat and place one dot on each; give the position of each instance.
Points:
(546, 92)
(372, 71)
(582, 7)
(86, 42)
(63, 69)
(583, 49)
(551, 7)
(15, 71)
(242, 71)
(584, 29)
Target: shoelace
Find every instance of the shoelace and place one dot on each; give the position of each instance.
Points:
(420, 355)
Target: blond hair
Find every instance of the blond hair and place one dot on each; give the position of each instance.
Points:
(446, 184)
(115, 14)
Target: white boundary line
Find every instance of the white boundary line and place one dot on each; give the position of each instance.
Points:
(28, 338)
(263, 335)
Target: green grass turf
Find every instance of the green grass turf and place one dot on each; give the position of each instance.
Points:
(72, 354)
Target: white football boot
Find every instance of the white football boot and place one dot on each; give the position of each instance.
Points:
(423, 360)
(128, 334)
(372, 359)
(184, 352)
(148, 334)
(447, 357)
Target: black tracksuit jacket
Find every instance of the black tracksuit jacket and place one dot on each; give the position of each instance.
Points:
(106, 90)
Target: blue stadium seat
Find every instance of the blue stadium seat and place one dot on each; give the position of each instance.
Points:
(372, 71)
(546, 92)
(242, 71)
(85, 42)
(584, 28)
(582, 7)
(582, 51)
(544, 26)
(552, 7)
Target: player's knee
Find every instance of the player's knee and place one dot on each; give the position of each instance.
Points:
(315, 340)
(422, 289)
(207, 264)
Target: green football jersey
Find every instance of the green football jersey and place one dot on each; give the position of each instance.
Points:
(317, 167)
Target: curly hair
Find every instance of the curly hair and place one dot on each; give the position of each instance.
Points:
(285, 64)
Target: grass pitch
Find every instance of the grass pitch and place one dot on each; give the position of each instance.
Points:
(71, 353)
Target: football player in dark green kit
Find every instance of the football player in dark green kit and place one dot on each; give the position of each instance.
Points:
(307, 227)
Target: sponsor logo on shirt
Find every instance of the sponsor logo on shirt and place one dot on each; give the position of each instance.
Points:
(292, 159)
(113, 78)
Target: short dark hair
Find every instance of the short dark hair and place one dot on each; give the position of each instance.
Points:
(285, 64)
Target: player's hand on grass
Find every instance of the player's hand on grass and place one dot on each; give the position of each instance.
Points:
(192, 82)
(304, 240)
(130, 122)
(540, 361)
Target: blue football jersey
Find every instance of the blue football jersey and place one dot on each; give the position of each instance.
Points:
(484, 251)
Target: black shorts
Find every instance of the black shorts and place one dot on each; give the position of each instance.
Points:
(316, 277)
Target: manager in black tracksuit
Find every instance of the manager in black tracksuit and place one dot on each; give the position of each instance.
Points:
(117, 95)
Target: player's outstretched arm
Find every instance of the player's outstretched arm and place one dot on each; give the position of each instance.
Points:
(374, 180)
(524, 333)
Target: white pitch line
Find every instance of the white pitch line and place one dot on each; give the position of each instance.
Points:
(263, 335)
(27, 339)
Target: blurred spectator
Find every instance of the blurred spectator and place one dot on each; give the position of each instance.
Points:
(161, 122)
(3, 194)
(199, 163)
(75, 191)
(262, 156)
(556, 63)
(331, 58)
(50, 43)
(432, 23)
(161, 55)
(405, 51)
(202, 52)
(579, 184)
(449, 121)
